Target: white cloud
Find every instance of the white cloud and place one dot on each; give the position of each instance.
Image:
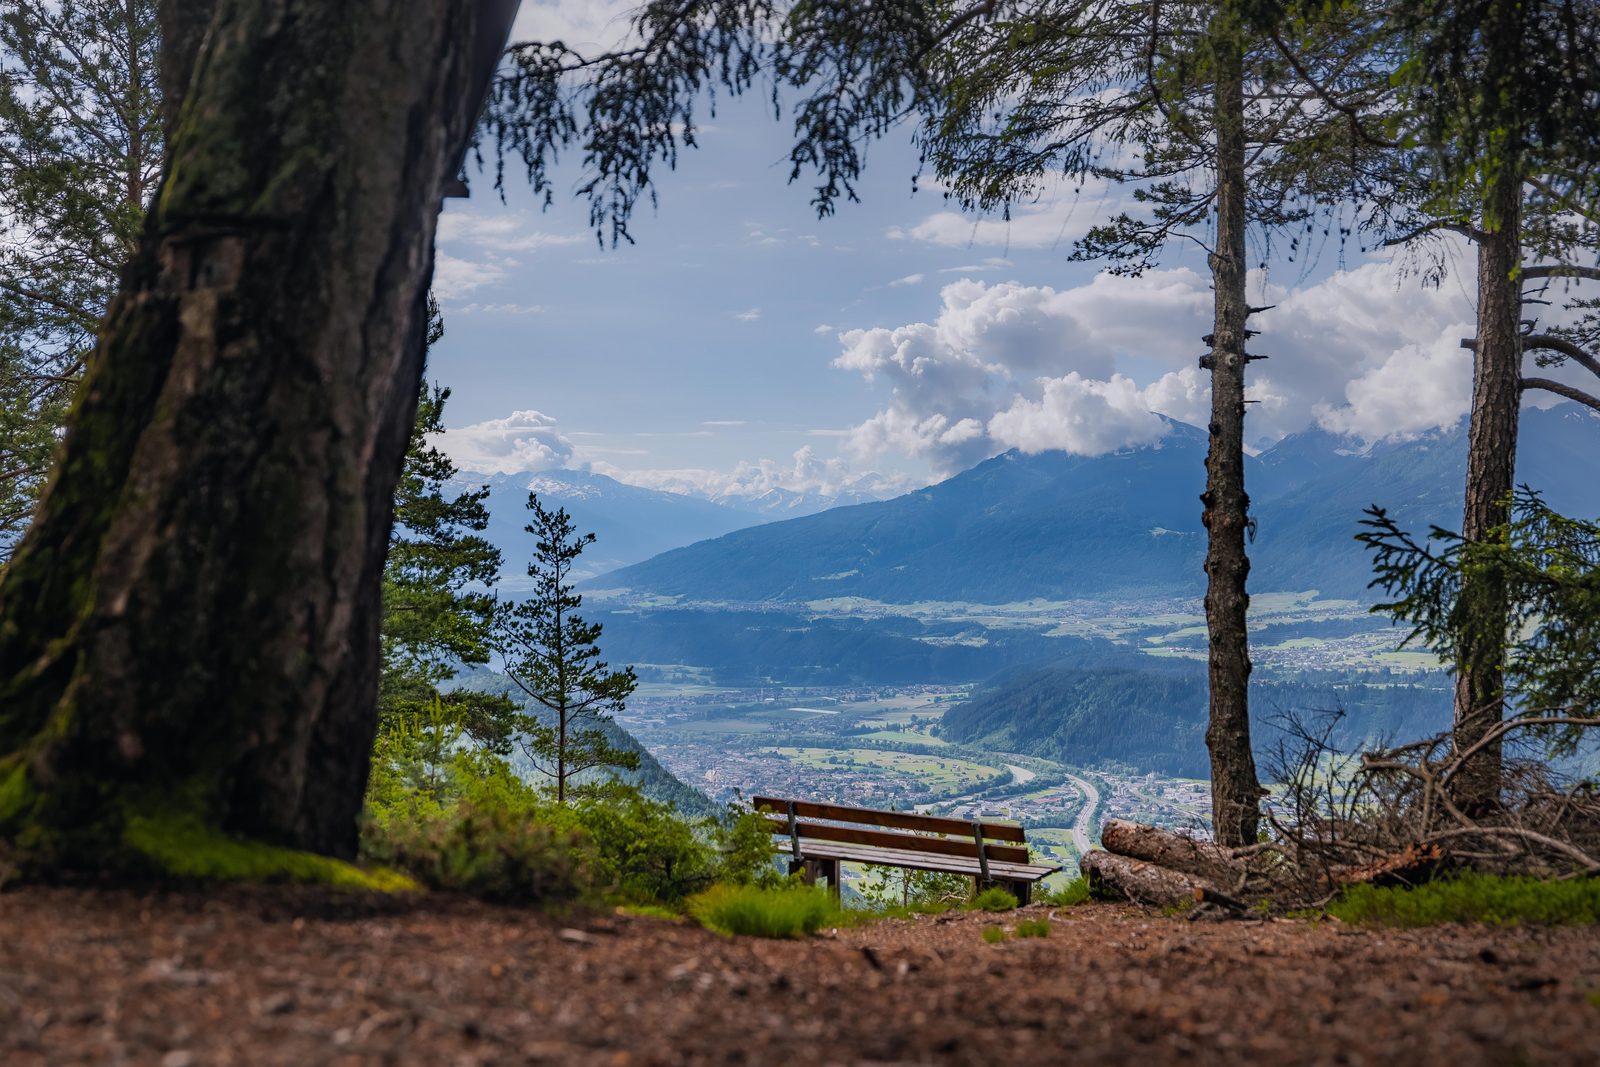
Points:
(454, 278)
(992, 344)
(822, 327)
(1418, 388)
(748, 314)
(1079, 415)
(588, 25)
(1059, 217)
(909, 279)
(502, 231)
(523, 441)
(500, 309)
(1004, 365)
(823, 481)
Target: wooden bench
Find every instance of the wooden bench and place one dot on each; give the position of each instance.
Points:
(991, 853)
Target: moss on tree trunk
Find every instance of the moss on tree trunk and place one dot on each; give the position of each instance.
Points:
(188, 634)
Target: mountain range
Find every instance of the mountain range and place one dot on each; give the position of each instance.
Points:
(630, 523)
(1123, 525)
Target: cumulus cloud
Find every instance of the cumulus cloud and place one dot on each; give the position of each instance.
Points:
(1086, 369)
(991, 345)
(1418, 388)
(1081, 415)
(523, 441)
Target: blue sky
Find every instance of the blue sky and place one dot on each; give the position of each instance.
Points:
(745, 343)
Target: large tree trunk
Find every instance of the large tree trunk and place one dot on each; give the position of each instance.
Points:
(1235, 793)
(1491, 469)
(183, 27)
(188, 634)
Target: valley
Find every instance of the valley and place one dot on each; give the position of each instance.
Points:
(882, 747)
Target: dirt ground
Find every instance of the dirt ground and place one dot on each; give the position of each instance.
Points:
(305, 979)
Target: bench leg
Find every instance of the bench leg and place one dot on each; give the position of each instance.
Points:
(1023, 891)
(813, 871)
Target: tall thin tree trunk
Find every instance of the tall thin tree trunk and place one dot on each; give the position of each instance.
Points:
(1235, 792)
(188, 634)
(1491, 470)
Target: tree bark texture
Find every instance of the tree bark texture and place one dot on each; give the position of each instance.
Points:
(183, 27)
(1491, 471)
(189, 632)
(1235, 792)
(1167, 849)
(1114, 876)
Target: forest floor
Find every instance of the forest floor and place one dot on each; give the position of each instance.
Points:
(287, 977)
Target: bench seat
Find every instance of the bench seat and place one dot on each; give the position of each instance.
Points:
(999, 870)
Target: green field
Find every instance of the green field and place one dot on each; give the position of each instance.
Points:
(939, 773)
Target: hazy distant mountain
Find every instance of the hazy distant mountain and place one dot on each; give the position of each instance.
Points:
(1124, 524)
(1011, 528)
(1306, 533)
(629, 523)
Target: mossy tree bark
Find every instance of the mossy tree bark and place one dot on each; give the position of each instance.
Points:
(189, 632)
(1235, 790)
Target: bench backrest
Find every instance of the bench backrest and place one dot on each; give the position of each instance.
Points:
(950, 837)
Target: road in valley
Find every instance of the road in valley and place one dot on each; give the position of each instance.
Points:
(1084, 826)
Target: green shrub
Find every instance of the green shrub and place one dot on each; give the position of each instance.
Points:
(1473, 898)
(994, 934)
(496, 853)
(1033, 928)
(1074, 892)
(640, 850)
(755, 911)
(746, 856)
(994, 899)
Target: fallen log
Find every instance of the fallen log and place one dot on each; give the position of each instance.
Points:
(1113, 875)
(1167, 849)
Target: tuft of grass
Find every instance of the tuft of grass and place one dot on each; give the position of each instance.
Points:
(994, 899)
(649, 911)
(1033, 928)
(752, 911)
(1074, 892)
(1473, 898)
(994, 934)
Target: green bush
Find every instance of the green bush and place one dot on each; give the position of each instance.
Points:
(994, 934)
(492, 852)
(1074, 892)
(746, 856)
(1473, 898)
(1033, 928)
(994, 899)
(640, 851)
(756, 911)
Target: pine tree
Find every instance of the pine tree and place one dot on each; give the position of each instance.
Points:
(80, 149)
(552, 654)
(438, 600)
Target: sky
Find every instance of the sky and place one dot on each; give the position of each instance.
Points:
(744, 344)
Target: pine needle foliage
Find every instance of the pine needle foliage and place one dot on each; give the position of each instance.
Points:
(552, 654)
(1548, 564)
